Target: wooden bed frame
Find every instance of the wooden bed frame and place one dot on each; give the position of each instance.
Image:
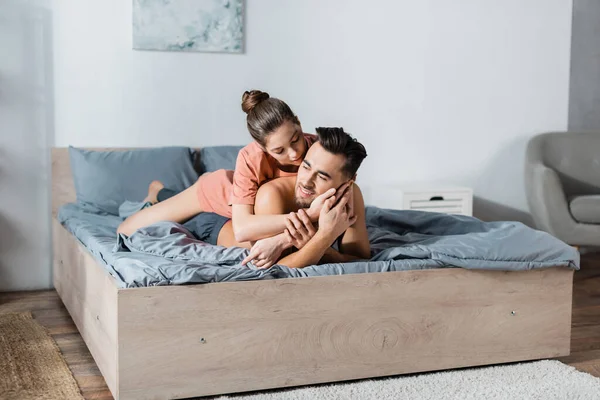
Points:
(194, 340)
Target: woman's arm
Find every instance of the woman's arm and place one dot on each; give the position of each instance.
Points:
(248, 227)
(251, 170)
(271, 219)
(271, 201)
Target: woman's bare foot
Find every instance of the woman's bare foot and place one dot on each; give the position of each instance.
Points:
(153, 189)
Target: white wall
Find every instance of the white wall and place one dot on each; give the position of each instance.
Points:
(436, 90)
(25, 133)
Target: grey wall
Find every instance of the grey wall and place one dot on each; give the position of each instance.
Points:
(26, 125)
(584, 97)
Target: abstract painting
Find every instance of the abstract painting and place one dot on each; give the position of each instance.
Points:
(188, 25)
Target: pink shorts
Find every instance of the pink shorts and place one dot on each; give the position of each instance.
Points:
(214, 192)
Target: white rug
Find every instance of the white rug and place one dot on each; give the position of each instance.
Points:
(544, 380)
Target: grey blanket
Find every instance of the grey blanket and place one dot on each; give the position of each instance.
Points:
(166, 253)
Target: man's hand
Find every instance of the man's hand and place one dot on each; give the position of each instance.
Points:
(299, 229)
(335, 220)
(265, 252)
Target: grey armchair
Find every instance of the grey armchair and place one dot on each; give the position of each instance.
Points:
(562, 182)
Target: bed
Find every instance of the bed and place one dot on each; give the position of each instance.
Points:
(178, 341)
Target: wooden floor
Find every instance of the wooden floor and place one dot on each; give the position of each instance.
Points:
(48, 309)
(585, 333)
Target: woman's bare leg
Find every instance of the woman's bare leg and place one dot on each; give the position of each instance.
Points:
(178, 208)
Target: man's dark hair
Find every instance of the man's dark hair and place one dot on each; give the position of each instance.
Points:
(336, 141)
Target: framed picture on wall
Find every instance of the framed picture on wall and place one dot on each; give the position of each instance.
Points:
(188, 25)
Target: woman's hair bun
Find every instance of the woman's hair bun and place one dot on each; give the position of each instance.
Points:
(252, 98)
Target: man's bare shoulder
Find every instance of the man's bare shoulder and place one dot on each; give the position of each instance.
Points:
(281, 186)
(356, 190)
(278, 194)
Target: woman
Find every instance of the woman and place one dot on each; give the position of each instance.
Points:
(277, 151)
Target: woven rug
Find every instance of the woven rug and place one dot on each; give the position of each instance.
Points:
(31, 366)
(539, 380)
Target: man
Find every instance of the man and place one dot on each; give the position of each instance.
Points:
(330, 163)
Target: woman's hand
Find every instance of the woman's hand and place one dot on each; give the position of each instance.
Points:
(317, 204)
(299, 229)
(335, 220)
(265, 252)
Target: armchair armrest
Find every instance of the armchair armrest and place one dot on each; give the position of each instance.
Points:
(547, 201)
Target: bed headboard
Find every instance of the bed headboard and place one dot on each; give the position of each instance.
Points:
(63, 189)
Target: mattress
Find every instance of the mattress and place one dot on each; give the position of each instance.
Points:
(167, 254)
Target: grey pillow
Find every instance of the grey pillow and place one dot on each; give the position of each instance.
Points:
(106, 179)
(218, 157)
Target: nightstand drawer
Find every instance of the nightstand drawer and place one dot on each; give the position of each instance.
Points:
(455, 200)
(454, 206)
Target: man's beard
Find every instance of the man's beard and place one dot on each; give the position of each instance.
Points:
(302, 203)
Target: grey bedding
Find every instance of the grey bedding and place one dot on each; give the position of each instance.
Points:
(167, 254)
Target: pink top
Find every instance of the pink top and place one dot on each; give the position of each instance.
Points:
(218, 190)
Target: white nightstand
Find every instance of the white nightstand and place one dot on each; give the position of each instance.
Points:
(446, 199)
